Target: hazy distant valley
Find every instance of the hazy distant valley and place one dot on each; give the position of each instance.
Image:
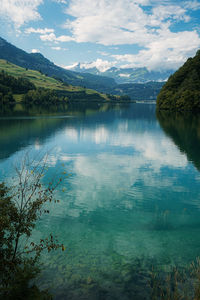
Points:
(124, 75)
(137, 83)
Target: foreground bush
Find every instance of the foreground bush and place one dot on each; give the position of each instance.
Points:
(20, 207)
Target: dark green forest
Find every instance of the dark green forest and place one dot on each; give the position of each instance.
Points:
(182, 90)
(20, 89)
(10, 86)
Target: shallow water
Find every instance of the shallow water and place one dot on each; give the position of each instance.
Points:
(131, 197)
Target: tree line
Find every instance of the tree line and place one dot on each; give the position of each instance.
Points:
(182, 90)
(9, 86)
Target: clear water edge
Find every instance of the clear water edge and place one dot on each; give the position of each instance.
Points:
(132, 198)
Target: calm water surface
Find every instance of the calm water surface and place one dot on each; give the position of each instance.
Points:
(131, 198)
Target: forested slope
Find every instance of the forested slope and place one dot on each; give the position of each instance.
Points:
(182, 90)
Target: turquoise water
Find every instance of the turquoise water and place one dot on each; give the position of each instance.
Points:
(131, 197)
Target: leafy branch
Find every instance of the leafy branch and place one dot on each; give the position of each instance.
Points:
(20, 207)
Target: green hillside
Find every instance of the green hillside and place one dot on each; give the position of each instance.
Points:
(38, 79)
(182, 90)
(36, 61)
(101, 82)
(41, 82)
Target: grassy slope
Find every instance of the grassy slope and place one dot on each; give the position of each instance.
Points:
(41, 80)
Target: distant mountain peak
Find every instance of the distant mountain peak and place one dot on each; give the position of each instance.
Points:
(37, 61)
(123, 75)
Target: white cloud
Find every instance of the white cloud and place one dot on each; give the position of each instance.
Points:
(118, 22)
(64, 38)
(168, 52)
(113, 22)
(60, 1)
(39, 30)
(103, 53)
(59, 48)
(56, 48)
(35, 51)
(100, 64)
(20, 12)
(51, 37)
(193, 5)
(48, 34)
(70, 67)
(164, 12)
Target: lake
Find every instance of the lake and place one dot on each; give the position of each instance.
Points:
(130, 198)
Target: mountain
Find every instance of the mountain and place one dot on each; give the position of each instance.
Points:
(138, 91)
(37, 61)
(182, 90)
(126, 75)
(102, 84)
(19, 84)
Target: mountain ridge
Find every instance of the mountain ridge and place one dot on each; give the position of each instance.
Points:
(102, 84)
(18, 84)
(37, 61)
(125, 75)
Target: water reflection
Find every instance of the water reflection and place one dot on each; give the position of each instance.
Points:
(184, 130)
(131, 196)
(21, 126)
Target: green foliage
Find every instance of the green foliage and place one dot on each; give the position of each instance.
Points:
(110, 97)
(20, 207)
(10, 85)
(125, 98)
(39, 89)
(6, 98)
(15, 85)
(41, 96)
(182, 90)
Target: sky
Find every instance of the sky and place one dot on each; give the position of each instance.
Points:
(159, 35)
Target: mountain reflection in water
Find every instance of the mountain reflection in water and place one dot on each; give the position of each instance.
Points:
(132, 197)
